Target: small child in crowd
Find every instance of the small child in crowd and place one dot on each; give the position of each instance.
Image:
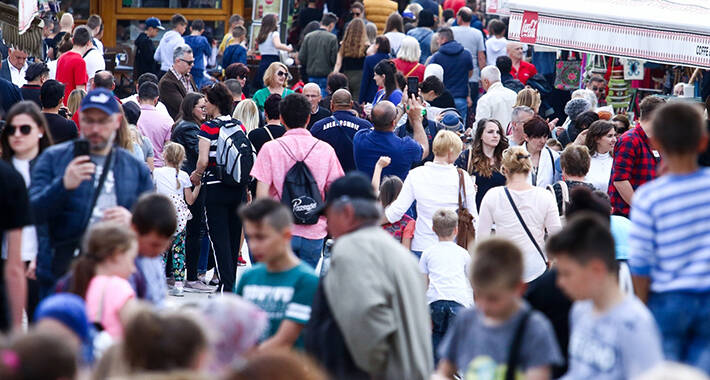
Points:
(403, 230)
(236, 52)
(101, 274)
(613, 335)
(500, 332)
(175, 184)
(445, 264)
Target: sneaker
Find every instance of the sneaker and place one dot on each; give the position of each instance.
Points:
(171, 282)
(198, 287)
(177, 290)
(201, 278)
(241, 262)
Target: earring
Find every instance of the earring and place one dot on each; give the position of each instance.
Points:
(40, 135)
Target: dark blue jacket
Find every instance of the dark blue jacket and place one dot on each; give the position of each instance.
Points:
(368, 87)
(423, 36)
(339, 130)
(10, 94)
(234, 54)
(457, 62)
(66, 211)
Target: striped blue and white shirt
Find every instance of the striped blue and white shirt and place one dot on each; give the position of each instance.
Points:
(670, 236)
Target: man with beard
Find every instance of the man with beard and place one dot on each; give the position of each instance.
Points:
(72, 188)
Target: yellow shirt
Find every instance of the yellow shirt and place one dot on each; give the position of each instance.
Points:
(226, 41)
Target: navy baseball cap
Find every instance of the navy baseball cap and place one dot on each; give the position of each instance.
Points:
(101, 99)
(353, 185)
(153, 22)
(67, 308)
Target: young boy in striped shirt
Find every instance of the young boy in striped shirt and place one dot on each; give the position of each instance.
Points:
(670, 237)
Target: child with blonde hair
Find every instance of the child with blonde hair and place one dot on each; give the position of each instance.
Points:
(175, 183)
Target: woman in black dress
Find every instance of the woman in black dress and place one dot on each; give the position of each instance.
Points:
(483, 159)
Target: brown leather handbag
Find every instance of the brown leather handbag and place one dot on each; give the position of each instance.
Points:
(467, 232)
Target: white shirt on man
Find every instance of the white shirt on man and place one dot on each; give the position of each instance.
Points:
(94, 62)
(497, 103)
(17, 76)
(134, 98)
(447, 266)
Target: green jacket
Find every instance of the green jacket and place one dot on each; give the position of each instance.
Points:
(319, 52)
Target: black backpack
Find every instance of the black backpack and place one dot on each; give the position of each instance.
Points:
(235, 155)
(300, 190)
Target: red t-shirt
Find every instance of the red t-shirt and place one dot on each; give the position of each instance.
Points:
(454, 4)
(71, 70)
(524, 73)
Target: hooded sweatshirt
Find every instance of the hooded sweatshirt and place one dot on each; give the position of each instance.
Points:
(495, 47)
(457, 62)
(164, 52)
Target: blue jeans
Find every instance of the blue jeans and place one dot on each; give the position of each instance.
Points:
(322, 82)
(461, 106)
(443, 314)
(683, 320)
(473, 90)
(307, 250)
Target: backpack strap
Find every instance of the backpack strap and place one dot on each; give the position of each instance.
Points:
(269, 132)
(514, 348)
(290, 154)
(565, 196)
(552, 162)
(88, 51)
(525, 226)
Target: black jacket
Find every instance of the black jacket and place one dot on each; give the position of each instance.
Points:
(185, 134)
(144, 62)
(511, 83)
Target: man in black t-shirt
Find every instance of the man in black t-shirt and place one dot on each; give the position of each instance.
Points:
(313, 92)
(273, 128)
(14, 204)
(52, 97)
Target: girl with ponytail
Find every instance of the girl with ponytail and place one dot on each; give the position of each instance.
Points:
(386, 79)
(101, 274)
(176, 185)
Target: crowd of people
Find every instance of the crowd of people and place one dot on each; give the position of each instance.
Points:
(415, 207)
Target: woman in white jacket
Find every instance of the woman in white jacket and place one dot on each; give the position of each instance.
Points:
(434, 186)
(601, 138)
(535, 206)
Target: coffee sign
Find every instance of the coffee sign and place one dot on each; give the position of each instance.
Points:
(528, 28)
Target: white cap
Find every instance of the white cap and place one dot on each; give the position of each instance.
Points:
(434, 69)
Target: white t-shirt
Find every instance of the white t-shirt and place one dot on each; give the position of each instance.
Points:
(538, 209)
(600, 171)
(94, 62)
(164, 179)
(29, 233)
(267, 47)
(447, 266)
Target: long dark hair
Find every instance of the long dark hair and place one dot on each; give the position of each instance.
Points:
(389, 190)
(595, 131)
(477, 160)
(268, 25)
(30, 109)
(394, 23)
(387, 68)
(188, 104)
(103, 241)
(219, 95)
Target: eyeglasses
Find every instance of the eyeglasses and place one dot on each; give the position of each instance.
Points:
(280, 73)
(242, 76)
(188, 62)
(356, 14)
(24, 129)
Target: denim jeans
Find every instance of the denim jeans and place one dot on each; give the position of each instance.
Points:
(683, 320)
(442, 316)
(461, 106)
(473, 90)
(322, 82)
(307, 250)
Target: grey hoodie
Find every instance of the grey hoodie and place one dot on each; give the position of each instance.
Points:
(164, 52)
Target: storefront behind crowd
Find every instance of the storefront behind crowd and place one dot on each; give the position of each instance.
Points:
(319, 189)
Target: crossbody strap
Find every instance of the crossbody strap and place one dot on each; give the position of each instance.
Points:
(462, 190)
(269, 132)
(552, 162)
(412, 70)
(525, 227)
(514, 349)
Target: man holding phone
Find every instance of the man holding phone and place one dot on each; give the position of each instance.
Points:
(80, 182)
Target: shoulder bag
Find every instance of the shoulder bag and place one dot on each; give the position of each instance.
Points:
(467, 232)
(525, 227)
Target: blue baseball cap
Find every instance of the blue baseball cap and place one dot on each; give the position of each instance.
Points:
(69, 309)
(153, 22)
(101, 99)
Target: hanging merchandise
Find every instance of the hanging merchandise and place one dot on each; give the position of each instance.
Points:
(633, 68)
(568, 71)
(619, 91)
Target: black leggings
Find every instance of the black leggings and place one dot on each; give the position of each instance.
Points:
(193, 238)
(225, 229)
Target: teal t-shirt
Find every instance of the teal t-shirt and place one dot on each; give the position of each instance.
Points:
(282, 295)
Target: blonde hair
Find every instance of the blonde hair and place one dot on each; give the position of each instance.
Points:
(444, 222)
(74, 101)
(409, 50)
(270, 72)
(516, 160)
(248, 113)
(528, 97)
(174, 155)
(415, 9)
(446, 142)
(355, 40)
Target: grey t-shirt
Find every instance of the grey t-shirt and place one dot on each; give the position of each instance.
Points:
(620, 344)
(480, 351)
(147, 148)
(471, 39)
(107, 198)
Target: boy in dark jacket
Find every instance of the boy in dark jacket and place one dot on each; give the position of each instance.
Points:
(144, 62)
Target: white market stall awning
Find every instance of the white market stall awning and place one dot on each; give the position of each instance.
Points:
(665, 31)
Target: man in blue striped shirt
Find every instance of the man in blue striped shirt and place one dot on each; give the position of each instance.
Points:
(670, 237)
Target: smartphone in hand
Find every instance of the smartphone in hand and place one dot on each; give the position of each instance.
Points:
(81, 147)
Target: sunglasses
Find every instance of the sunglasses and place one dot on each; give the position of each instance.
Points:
(24, 129)
(242, 76)
(188, 62)
(280, 73)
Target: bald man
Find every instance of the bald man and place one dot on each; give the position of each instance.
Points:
(339, 129)
(312, 92)
(369, 145)
(521, 69)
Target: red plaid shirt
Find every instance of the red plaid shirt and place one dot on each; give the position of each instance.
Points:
(634, 161)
